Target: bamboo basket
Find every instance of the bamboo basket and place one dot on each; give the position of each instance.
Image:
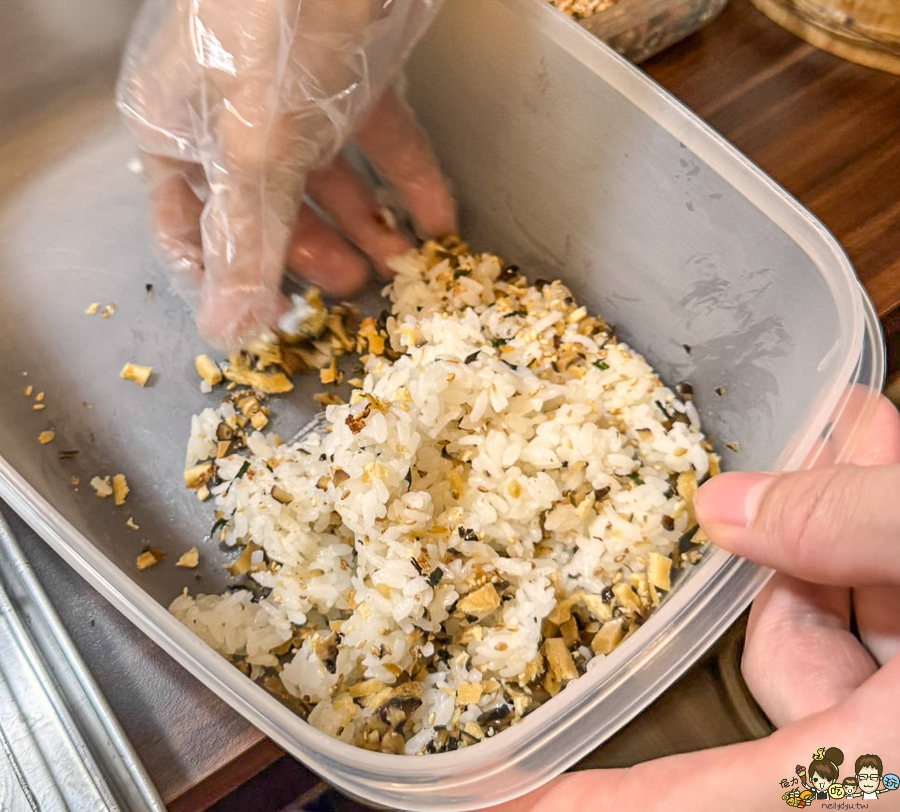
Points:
(863, 31)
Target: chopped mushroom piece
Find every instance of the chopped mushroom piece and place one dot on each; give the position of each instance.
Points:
(189, 560)
(330, 373)
(609, 636)
(274, 383)
(198, 475)
(92, 308)
(149, 558)
(279, 494)
(658, 571)
(120, 488)
(46, 437)
(469, 693)
(129, 522)
(208, 370)
(560, 659)
(627, 598)
(244, 562)
(367, 687)
(569, 632)
(136, 372)
(248, 405)
(474, 730)
(369, 335)
(258, 420)
(481, 602)
(102, 487)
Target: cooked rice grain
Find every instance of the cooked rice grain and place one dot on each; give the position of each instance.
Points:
(506, 456)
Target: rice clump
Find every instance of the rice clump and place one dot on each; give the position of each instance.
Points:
(496, 509)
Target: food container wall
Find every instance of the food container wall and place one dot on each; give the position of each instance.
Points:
(566, 160)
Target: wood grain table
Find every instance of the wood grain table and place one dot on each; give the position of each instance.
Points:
(826, 129)
(829, 132)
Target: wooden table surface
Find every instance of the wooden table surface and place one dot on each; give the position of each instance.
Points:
(826, 129)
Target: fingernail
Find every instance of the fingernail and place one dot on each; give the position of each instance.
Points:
(731, 501)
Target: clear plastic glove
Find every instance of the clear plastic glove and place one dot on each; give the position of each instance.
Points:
(832, 533)
(239, 108)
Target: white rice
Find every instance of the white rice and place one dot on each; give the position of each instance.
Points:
(512, 441)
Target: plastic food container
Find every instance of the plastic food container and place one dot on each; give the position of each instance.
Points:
(567, 160)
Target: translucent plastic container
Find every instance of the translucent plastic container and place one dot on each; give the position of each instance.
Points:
(568, 161)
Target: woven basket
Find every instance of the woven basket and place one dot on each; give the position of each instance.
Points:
(863, 31)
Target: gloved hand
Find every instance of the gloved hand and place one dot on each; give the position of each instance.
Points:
(241, 106)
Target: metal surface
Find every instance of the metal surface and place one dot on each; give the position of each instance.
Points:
(63, 746)
(181, 730)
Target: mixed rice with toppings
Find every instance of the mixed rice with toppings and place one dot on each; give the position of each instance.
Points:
(505, 498)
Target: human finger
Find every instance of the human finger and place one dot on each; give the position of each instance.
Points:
(799, 656)
(256, 175)
(397, 146)
(877, 608)
(880, 445)
(320, 256)
(175, 219)
(810, 524)
(877, 611)
(338, 191)
(746, 776)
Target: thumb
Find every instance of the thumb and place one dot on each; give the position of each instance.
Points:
(836, 525)
(745, 777)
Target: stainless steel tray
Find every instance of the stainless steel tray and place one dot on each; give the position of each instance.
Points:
(63, 747)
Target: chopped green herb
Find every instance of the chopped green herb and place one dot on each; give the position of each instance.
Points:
(499, 342)
(462, 272)
(515, 313)
(601, 365)
(435, 578)
(635, 478)
(243, 470)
